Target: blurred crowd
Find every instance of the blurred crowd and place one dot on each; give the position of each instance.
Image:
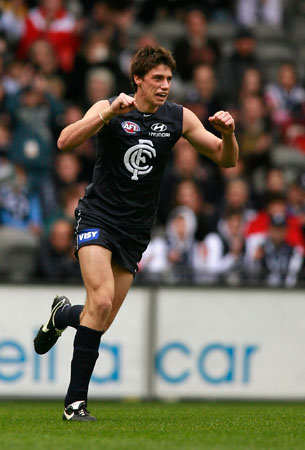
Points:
(238, 226)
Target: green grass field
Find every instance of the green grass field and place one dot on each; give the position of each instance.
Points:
(154, 426)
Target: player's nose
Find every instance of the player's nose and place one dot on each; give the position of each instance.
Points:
(165, 84)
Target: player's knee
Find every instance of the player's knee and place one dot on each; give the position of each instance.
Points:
(104, 306)
(101, 307)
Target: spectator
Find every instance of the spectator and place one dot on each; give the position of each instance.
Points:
(16, 76)
(254, 134)
(43, 57)
(233, 68)
(19, 207)
(171, 257)
(100, 19)
(86, 151)
(51, 21)
(56, 260)
(252, 84)
(285, 98)
(252, 12)
(57, 87)
(188, 194)
(112, 21)
(203, 98)
(257, 228)
(96, 52)
(20, 227)
(124, 16)
(195, 47)
(221, 255)
(187, 165)
(35, 113)
(12, 19)
(296, 198)
(67, 201)
(66, 174)
(276, 262)
(67, 170)
(275, 184)
(236, 197)
(100, 83)
(296, 202)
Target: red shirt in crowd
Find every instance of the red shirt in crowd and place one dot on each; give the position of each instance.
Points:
(60, 32)
(261, 222)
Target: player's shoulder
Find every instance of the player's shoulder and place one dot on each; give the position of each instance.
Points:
(172, 109)
(189, 115)
(172, 105)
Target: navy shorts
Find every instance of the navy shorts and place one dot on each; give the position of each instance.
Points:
(126, 244)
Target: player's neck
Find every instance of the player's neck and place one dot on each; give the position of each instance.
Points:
(144, 105)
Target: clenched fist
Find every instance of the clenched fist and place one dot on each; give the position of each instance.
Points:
(223, 122)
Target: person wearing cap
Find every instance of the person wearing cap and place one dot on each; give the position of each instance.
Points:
(276, 262)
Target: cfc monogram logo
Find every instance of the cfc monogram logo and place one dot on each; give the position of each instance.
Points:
(135, 159)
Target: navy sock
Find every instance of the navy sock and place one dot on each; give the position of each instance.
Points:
(86, 346)
(68, 316)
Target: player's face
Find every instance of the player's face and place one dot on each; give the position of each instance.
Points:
(155, 85)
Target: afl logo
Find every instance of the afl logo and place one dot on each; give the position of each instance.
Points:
(130, 127)
(159, 127)
(135, 159)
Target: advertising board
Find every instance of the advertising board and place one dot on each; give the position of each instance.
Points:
(165, 343)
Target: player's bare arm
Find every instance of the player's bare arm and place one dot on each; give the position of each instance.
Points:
(223, 152)
(95, 118)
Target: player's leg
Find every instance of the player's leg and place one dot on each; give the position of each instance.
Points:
(70, 315)
(128, 252)
(95, 263)
(102, 296)
(122, 282)
(100, 283)
(63, 314)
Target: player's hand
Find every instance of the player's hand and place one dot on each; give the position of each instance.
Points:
(223, 122)
(122, 104)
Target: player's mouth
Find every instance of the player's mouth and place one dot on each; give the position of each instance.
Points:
(161, 95)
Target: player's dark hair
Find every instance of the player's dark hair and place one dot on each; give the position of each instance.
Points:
(147, 58)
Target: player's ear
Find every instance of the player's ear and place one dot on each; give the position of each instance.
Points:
(137, 80)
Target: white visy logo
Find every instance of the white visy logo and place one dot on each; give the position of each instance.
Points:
(136, 155)
(159, 127)
(87, 236)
